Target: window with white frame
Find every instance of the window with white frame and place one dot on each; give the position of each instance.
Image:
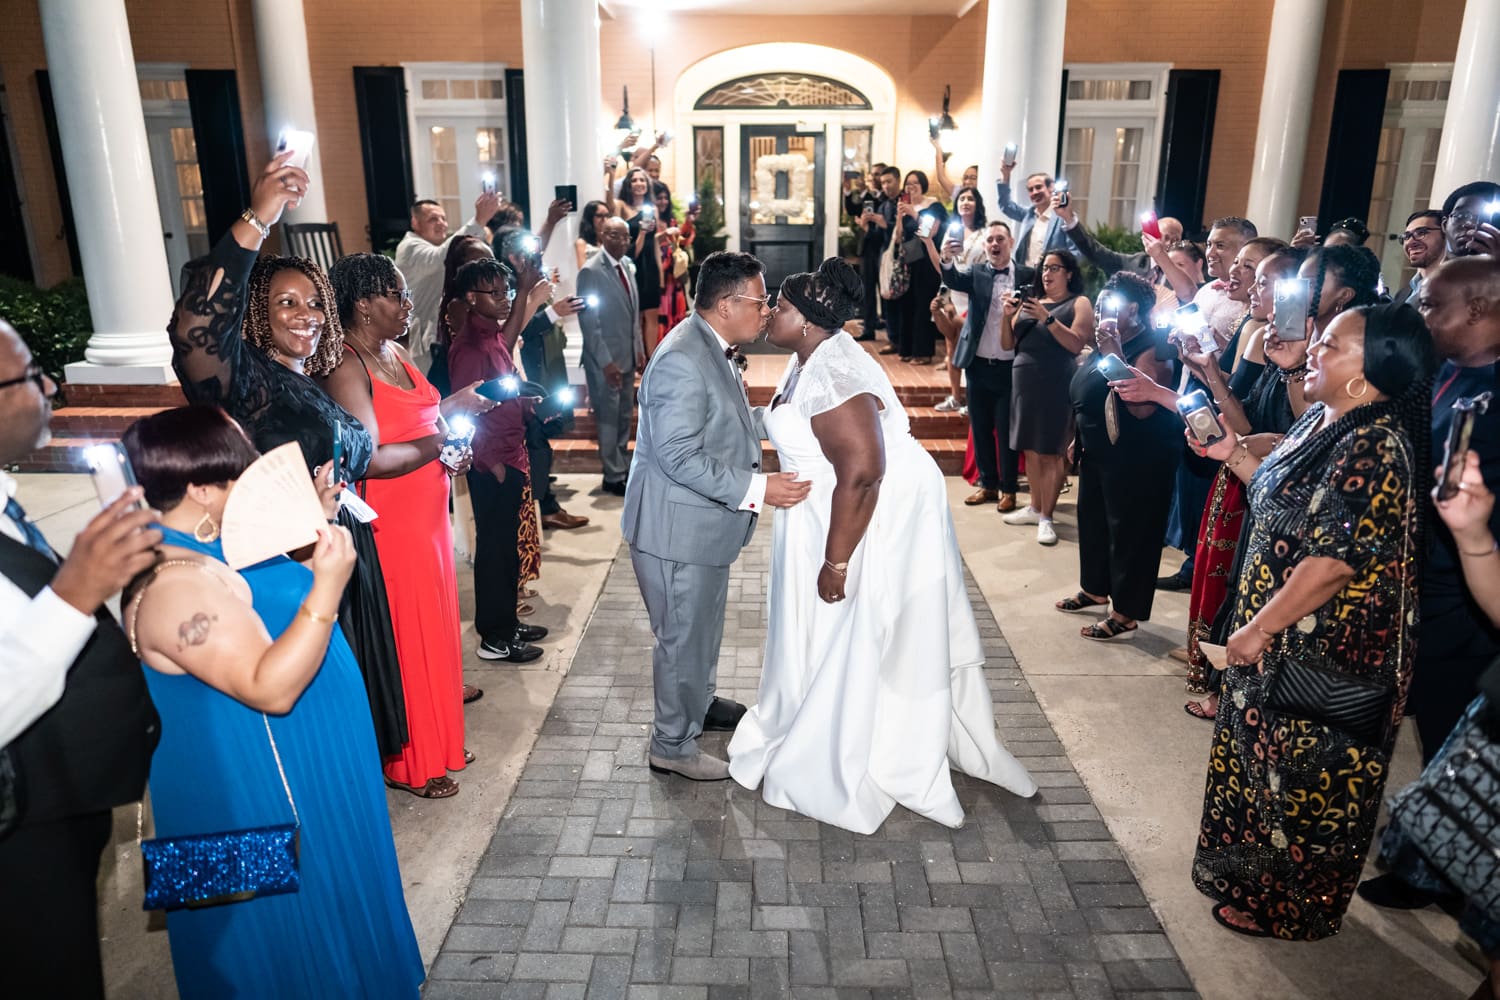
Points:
(458, 132)
(1415, 102)
(1111, 139)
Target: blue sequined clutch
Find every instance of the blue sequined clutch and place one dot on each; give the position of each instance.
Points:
(211, 869)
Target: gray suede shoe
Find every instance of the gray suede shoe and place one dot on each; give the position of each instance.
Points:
(703, 767)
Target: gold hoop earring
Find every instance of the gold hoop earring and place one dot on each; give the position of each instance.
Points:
(804, 329)
(205, 530)
(1363, 389)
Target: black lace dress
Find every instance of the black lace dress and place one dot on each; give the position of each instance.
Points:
(275, 405)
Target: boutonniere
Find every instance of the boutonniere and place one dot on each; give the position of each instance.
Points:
(738, 357)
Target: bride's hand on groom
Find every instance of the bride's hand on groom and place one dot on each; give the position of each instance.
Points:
(784, 490)
(830, 585)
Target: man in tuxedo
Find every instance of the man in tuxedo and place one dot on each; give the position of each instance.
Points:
(612, 347)
(77, 727)
(1041, 230)
(986, 364)
(695, 491)
(1425, 248)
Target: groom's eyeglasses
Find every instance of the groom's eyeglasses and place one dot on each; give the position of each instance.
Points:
(764, 300)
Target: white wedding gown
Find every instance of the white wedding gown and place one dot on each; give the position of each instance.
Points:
(866, 703)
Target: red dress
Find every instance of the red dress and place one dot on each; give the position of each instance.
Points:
(415, 541)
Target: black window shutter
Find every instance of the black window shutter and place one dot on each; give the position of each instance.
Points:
(218, 132)
(1353, 144)
(515, 133)
(1186, 141)
(59, 169)
(15, 255)
(385, 142)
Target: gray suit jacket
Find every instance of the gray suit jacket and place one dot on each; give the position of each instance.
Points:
(696, 446)
(1057, 236)
(979, 284)
(611, 329)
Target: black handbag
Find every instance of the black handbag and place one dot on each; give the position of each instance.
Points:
(1355, 706)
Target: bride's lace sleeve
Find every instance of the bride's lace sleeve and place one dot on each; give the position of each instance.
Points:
(209, 354)
(838, 371)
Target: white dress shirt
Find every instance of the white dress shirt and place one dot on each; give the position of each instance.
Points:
(1036, 244)
(755, 497)
(40, 637)
(989, 337)
(422, 265)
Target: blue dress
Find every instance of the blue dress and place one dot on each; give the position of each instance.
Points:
(346, 932)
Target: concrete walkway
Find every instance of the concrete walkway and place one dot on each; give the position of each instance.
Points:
(604, 880)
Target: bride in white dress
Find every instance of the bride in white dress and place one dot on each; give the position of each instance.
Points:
(873, 683)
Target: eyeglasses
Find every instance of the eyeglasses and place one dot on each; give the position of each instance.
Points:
(764, 300)
(33, 373)
(1052, 268)
(1420, 233)
(510, 293)
(402, 295)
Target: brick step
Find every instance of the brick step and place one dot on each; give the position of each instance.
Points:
(926, 423)
(571, 455)
(92, 421)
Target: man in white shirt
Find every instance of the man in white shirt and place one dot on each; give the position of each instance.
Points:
(76, 725)
(420, 256)
(1041, 230)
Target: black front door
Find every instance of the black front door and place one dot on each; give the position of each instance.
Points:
(781, 203)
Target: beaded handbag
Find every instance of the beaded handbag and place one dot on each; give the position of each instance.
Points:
(210, 869)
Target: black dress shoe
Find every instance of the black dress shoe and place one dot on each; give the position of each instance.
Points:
(723, 716)
(529, 633)
(616, 489)
(1394, 893)
(1174, 582)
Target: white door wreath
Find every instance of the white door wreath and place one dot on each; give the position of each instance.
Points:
(799, 184)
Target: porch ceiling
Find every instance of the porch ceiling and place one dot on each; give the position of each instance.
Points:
(781, 8)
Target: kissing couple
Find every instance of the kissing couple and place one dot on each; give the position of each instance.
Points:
(873, 680)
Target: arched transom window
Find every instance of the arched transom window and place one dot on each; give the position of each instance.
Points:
(784, 90)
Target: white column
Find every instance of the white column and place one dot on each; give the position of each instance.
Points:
(1470, 149)
(1022, 93)
(286, 86)
(112, 190)
(1286, 100)
(560, 59)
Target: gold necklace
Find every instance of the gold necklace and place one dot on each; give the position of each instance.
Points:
(395, 376)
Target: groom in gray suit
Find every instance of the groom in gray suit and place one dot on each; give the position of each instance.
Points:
(612, 347)
(691, 503)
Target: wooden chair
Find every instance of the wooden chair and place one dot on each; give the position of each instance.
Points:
(318, 241)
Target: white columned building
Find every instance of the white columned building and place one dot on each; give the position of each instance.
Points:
(1286, 100)
(286, 86)
(1470, 148)
(1022, 90)
(113, 192)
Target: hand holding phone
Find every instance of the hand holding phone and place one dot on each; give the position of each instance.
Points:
(1456, 447)
(1202, 419)
(1289, 308)
(925, 225)
(567, 193)
(300, 144)
(1114, 368)
(1061, 190)
(1149, 224)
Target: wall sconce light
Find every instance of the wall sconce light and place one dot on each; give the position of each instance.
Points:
(942, 127)
(626, 123)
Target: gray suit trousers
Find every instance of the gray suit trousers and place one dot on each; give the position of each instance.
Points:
(612, 412)
(686, 604)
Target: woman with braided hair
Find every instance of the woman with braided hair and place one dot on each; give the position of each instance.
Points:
(1317, 669)
(255, 337)
(452, 309)
(873, 684)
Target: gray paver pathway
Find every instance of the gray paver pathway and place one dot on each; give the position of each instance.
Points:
(604, 880)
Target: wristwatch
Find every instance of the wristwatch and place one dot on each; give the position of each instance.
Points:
(260, 227)
(1050, 320)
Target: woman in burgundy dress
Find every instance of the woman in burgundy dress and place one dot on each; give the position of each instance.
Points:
(408, 487)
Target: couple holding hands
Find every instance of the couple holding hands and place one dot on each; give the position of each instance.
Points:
(873, 682)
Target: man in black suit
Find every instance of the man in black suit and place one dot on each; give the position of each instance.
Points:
(1425, 248)
(986, 364)
(874, 213)
(77, 727)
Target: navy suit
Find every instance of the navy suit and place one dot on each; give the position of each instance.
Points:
(1057, 236)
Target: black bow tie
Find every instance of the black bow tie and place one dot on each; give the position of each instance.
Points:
(1002, 270)
(733, 352)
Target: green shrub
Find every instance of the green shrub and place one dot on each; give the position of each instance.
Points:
(54, 322)
(708, 235)
(1116, 238)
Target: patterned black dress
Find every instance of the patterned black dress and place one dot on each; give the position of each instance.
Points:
(1290, 804)
(276, 405)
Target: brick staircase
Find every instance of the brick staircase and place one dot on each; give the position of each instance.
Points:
(96, 414)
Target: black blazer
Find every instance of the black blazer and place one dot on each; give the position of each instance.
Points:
(979, 284)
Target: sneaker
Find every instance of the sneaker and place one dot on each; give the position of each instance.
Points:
(1025, 515)
(529, 633)
(963, 411)
(949, 405)
(510, 652)
(1044, 533)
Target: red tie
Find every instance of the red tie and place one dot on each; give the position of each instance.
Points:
(620, 268)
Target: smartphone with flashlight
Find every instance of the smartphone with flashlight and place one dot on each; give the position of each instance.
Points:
(925, 225)
(557, 403)
(500, 389)
(1149, 225)
(567, 193)
(1061, 189)
(955, 232)
(1191, 323)
(1008, 155)
(460, 437)
(1109, 307)
(1456, 448)
(588, 302)
(1202, 420)
(1289, 306)
(487, 182)
(1114, 368)
(109, 467)
(301, 145)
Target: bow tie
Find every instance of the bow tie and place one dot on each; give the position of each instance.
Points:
(733, 352)
(1002, 270)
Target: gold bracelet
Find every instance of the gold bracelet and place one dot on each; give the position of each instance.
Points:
(303, 609)
(1233, 463)
(1270, 636)
(842, 569)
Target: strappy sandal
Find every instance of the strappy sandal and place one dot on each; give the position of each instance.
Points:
(1109, 628)
(469, 757)
(1199, 711)
(1254, 930)
(525, 610)
(526, 592)
(1079, 602)
(436, 788)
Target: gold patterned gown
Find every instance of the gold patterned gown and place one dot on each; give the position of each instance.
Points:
(1290, 805)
